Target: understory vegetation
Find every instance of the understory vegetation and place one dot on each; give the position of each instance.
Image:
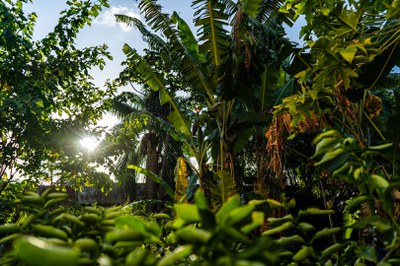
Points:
(236, 145)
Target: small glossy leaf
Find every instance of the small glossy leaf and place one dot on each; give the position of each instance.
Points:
(277, 221)
(193, 235)
(331, 249)
(326, 232)
(303, 254)
(238, 214)
(314, 211)
(379, 182)
(306, 227)
(279, 229)
(290, 240)
(355, 203)
(257, 221)
(329, 156)
(381, 147)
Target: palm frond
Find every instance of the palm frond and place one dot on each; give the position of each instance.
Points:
(141, 70)
(157, 83)
(212, 19)
(269, 11)
(126, 103)
(191, 69)
(121, 109)
(252, 7)
(154, 41)
(227, 185)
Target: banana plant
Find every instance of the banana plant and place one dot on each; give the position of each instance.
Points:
(217, 67)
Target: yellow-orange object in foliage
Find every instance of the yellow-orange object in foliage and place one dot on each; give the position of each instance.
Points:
(181, 180)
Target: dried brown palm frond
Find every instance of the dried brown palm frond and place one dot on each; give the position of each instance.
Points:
(275, 147)
(281, 127)
(372, 105)
(346, 107)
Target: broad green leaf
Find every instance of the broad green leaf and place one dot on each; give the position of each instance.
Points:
(201, 200)
(144, 72)
(40, 103)
(350, 19)
(139, 257)
(35, 252)
(252, 7)
(345, 166)
(227, 185)
(187, 37)
(262, 245)
(130, 222)
(178, 254)
(7, 229)
(347, 73)
(242, 139)
(348, 53)
(231, 204)
(211, 20)
(206, 215)
(176, 117)
(187, 212)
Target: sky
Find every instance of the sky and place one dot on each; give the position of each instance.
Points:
(105, 29)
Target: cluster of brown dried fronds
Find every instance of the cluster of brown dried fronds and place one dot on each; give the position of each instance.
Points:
(373, 105)
(345, 106)
(282, 127)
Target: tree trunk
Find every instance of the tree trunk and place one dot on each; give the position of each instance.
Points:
(149, 148)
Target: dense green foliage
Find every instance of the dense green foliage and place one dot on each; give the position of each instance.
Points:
(296, 149)
(47, 98)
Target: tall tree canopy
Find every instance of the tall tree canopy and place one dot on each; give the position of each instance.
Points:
(47, 96)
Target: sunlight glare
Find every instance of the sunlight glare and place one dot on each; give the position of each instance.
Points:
(89, 143)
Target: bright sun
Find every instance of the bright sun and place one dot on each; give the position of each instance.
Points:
(89, 143)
